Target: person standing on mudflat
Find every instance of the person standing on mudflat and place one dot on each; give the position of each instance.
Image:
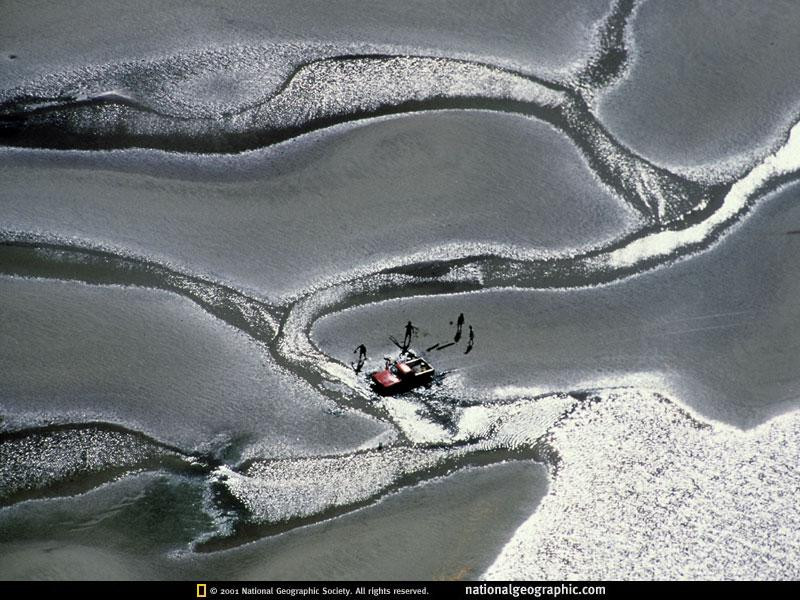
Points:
(470, 340)
(362, 357)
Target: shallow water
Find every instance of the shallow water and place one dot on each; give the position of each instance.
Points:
(549, 34)
(357, 196)
(716, 330)
(711, 84)
(444, 529)
(156, 363)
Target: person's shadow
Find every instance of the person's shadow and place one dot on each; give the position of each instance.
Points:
(410, 332)
(457, 337)
(459, 326)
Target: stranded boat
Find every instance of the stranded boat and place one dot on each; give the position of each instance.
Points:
(402, 375)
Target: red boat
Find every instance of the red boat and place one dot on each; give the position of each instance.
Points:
(402, 375)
